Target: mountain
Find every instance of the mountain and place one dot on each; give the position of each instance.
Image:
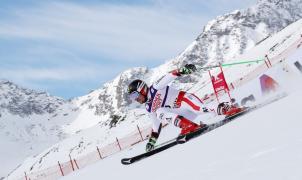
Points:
(24, 102)
(232, 34)
(30, 121)
(222, 39)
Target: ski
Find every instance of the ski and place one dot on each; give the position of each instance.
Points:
(131, 160)
(181, 139)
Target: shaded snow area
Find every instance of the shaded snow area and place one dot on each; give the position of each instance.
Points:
(264, 144)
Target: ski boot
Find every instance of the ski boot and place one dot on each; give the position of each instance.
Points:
(226, 109)
(188, 126)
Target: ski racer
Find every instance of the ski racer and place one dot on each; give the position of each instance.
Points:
(174, 106)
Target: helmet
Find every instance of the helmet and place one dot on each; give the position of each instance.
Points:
(137, 87)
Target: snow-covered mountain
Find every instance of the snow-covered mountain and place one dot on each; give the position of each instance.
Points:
(232, 34)
(30, 119)
(25, 102)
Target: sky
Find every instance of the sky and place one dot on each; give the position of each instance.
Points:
(70, 47)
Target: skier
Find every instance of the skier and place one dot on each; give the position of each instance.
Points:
(166, 103)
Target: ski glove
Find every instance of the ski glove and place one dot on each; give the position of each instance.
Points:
(151, 144)
(187, 69)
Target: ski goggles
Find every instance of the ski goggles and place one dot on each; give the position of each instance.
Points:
(134, 95)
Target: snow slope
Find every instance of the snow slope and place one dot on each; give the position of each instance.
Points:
(264, 144)
(90, 121)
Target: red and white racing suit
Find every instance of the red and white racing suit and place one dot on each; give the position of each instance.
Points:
(166, 103)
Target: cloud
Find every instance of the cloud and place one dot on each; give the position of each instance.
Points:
(58, 74)
(30, 75)
(76, 42)
(205, 8)
(64, 81)
(129, 33)
(158, 30)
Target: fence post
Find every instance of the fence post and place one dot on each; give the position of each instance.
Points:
(71, 163)
(268, 63)
(99, 152)
(140, 133)
(75, 162)
(61, 168)
(25, 176)
(118, 144)
(232, 85)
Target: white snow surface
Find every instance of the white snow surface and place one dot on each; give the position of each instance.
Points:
(244, 149)
(264, 144)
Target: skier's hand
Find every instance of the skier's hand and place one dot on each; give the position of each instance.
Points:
(149, 147)
(151, 144)
(187, 69)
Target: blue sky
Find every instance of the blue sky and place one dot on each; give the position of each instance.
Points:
(69, 47)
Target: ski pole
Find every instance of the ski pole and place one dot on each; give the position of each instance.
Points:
(204, 68)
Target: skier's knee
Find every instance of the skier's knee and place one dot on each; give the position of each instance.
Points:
(162, 115)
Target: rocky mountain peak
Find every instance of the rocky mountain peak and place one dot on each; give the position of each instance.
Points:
(24, 102)
(232, 34)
